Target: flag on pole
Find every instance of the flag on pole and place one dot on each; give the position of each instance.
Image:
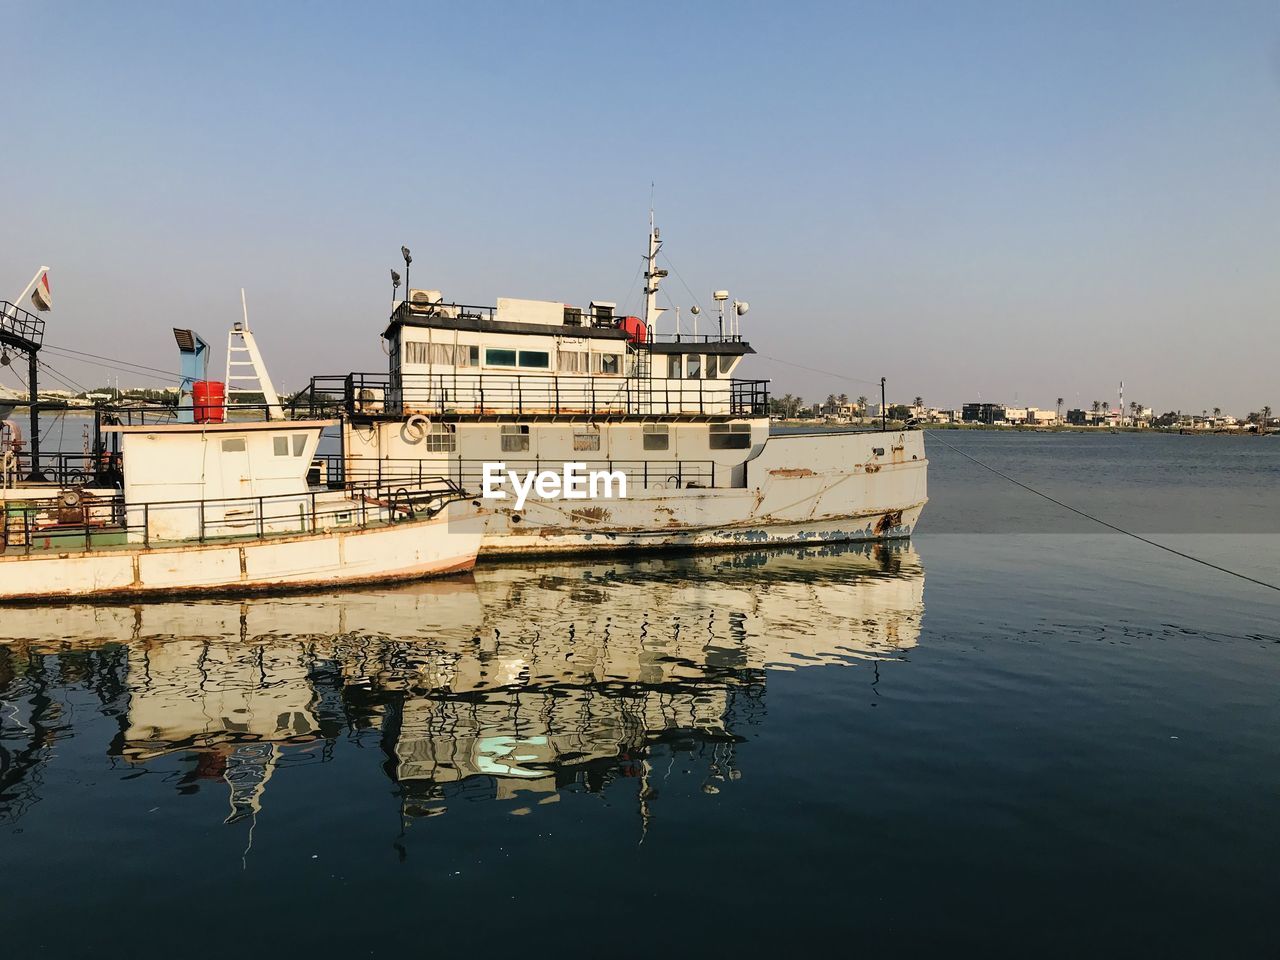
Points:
(41, 296)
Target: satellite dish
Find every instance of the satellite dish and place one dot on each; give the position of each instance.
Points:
(695, 310)
(741, 306)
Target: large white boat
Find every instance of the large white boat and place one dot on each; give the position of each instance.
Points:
(534, 385)
(680, 444)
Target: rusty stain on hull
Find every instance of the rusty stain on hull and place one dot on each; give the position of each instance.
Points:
(792, 473)
(888, 522)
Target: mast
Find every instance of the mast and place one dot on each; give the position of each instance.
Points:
(240, 342)
(652, 277)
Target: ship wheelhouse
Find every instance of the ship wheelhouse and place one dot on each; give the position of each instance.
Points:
(529, 382)
(530, 358)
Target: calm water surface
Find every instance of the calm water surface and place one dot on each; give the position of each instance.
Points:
(1014, 735)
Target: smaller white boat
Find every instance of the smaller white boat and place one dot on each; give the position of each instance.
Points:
(206, 508)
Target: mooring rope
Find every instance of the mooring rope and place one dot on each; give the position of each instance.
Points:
(1111, 526)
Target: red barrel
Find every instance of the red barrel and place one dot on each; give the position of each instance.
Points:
(634, 328)
(209, 397)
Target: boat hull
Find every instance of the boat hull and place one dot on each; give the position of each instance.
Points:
(801, 488)
(411, 550)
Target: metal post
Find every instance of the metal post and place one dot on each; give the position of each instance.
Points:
(884, 414)
(33, 374)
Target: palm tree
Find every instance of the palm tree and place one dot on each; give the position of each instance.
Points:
(862, 406)
(1106, 406)
(830, 405)
(919, 403)
(1060, 409)
(1097, 405)
(1217, 412)
(1266, 415)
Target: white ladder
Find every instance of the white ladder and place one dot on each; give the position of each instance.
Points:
(242, 353)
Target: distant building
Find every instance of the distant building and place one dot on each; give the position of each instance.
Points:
(983, 413)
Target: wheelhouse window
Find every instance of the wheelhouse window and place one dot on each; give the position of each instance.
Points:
(537, 359)
(415, 352)
(515, 438)
(657, 436)
(674, 371)
(499, 358)
(712, 367)
(234, 445)
(572, 361)
(468, 356)
(726, 364)
(586, 439)
(442, 438)
(730, 436)
(609, 364)
(281, 445)
(693, 366)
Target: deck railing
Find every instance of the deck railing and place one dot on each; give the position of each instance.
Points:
(379, 396)
(88, 522)
(468, 474)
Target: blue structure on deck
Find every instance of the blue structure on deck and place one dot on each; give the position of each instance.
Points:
(195, 366)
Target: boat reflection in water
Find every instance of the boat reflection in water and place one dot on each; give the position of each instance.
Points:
(513, 684)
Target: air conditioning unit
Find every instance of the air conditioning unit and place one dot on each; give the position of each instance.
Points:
(424, 297)
(370, 400)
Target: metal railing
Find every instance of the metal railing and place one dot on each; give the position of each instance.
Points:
(91, 523)
(468, 474)
(449, 311)
(696, 338)
(65, 469)
(377, 395)
(19, 327)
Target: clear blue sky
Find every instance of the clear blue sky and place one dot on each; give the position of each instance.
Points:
(1022, 200)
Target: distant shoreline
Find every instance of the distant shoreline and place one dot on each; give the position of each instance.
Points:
(1018, 428)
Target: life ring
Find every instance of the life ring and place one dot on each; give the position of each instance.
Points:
(416, 428)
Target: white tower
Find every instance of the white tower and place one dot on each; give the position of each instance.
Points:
(240, 343)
